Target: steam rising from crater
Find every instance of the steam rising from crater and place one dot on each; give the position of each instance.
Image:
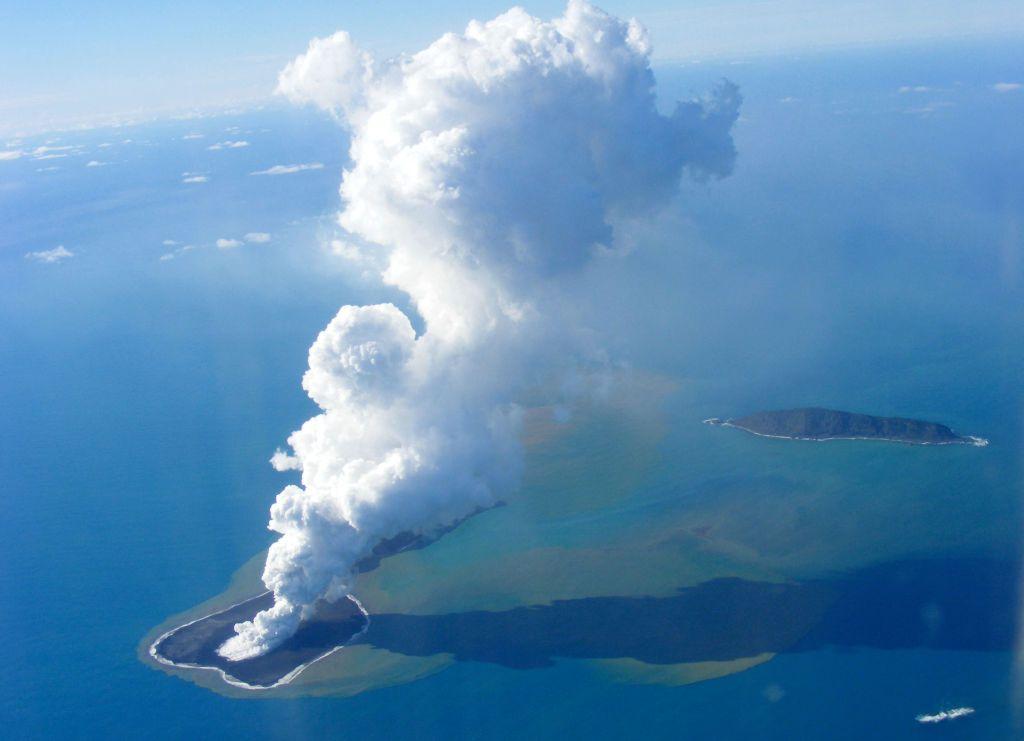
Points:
(488, 170)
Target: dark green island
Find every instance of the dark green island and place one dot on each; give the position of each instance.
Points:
(813, 423)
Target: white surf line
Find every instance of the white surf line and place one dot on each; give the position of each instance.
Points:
(978, 442)
(286, 679)
(951, 714)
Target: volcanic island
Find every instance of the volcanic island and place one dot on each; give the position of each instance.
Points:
(815, 423)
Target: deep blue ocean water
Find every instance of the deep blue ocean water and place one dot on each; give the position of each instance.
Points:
(866, 254)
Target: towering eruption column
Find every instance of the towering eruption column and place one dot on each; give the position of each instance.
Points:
(486, 171)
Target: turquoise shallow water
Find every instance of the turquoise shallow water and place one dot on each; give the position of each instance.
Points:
(863, 260)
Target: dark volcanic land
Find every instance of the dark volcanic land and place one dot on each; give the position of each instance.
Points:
(331, 626)
(813, 423)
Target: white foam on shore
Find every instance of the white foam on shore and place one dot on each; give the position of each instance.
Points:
(286, 679)
(951, 714)
(978, 442)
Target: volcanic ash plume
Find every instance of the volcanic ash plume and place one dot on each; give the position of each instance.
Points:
(488, 168)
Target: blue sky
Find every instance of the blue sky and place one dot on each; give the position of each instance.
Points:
(69, 63)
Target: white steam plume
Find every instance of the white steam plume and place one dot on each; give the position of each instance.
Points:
(489, 168)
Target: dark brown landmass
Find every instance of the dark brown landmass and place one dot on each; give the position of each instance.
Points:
(814, 423)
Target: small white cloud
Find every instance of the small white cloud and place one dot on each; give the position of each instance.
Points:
(49, 156)
(169, 243)
(1006, 87)
(95, 163)
(944, 715)
(788, 99)
(257, 237)
(193, 177)
(193, 135)
(347, 250)
(55, 255)
(43, 150)
(104, 145)
(227, 244)
(930, 108)
(10, 154)
(915, 89)
(281, 461)
(51, 168)
(166, 256)
(289, 169)
(228, 145)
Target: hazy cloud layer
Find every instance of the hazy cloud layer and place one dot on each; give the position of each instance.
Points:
(489, 168)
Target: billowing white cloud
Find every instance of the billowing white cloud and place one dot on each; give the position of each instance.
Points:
(227, 244)
(333, 74)
(1007, 87)
(289, 169)
(489, 169)
(257, 237)
(228, 145)
(57, 254)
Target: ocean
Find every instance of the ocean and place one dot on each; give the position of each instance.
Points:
(865, 255)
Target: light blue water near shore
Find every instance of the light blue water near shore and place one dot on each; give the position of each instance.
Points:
(866, 254)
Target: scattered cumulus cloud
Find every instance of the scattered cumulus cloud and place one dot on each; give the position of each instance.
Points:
(490, 170)
(57, 254)
(227, 244)
(289, 169)
(1007, 87)
(228, 145)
